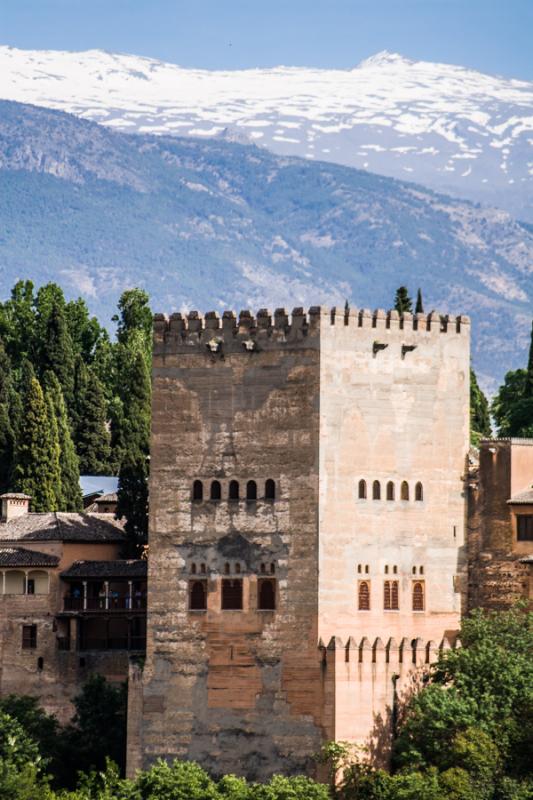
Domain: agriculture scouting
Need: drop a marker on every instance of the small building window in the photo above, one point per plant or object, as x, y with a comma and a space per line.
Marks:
390, 596
363, 596
237, 568
414, 570
362, 490
418, 596
376, 490
405, 491
386, 569
40, 663
419, 492
198, 595
30, 586
266, 594
272, 568
367, 569
395, 569
202, 569
216, 490
226, 568
197, 491
251, 491
193, 569
270, 489
359, 568
421, 570
231, 594
524, 527
29, 637
390, 491
234, 490
263, 569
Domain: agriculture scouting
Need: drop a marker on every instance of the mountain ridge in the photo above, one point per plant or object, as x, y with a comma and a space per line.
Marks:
448, 127
211, 224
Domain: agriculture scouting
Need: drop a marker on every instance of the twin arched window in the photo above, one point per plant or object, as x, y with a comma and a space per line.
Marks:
418, 596
364, 596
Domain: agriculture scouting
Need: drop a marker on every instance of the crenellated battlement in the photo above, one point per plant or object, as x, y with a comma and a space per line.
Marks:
214, 330
409, 653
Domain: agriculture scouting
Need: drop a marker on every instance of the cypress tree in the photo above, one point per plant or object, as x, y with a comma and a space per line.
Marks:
133, 476
402, 301
55, 452
7, 438
91, 433
480, 427
419, 309
69, 498
56, 353
528, 389
34, 471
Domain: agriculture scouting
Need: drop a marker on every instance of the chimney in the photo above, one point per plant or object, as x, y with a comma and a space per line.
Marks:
14, 505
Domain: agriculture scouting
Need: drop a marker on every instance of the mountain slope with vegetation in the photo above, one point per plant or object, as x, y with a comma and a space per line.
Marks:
215, 224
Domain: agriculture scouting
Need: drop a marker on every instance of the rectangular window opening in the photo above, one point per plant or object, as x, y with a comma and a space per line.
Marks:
524, 527
29, 637
231, 594
266, 594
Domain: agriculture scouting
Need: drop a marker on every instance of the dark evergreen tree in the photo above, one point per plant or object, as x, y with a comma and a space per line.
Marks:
419, 309
34, 471
17, 323
91, 433
55, 452
528, 389
56, 353
7, 437
480, 427
133, 475
69, 497
402, 301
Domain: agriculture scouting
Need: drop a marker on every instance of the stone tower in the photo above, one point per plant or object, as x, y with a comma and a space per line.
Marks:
307, 487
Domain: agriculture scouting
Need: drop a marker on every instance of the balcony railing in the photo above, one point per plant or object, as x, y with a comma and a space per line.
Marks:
137, 643
104, 604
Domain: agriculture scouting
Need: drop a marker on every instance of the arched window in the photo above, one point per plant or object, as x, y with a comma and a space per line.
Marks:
237, 568
419, 492
193, 569
202, 569
198, 595
272, 568
197, 491
414, 570
263, 569
234, 490
270, 489
418, 596
390, 596
266, 600
226, 568
421, 570
376, 490
359, 568
216, 491
405, 490
390, 491
367, 569
362, 490
231, 594
251, 491
364, 596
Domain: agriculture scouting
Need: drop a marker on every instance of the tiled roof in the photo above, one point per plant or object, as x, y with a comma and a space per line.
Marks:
15, 496
62, 526
112, 497
135, 568
524, 497
20, 557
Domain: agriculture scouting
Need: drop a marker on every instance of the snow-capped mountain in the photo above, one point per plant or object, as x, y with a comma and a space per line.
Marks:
448, 127
209, 223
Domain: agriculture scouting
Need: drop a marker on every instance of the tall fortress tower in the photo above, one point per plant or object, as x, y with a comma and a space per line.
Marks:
307, 524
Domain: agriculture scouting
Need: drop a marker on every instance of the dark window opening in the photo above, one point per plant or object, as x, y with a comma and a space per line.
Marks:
231, 594
359, 568
364, 596
40, 663
237, 568
376, 490
197, 491
226, 568
82, 663
418, 596
390, 596
29, 637
272, 569
263, 569
419, 492
405, 490
202, 569
390, 491
234, 490
524, 527
198, 595
251, 491
266, 600
193, 569
270, 490
216, 490
30, 589
362, 490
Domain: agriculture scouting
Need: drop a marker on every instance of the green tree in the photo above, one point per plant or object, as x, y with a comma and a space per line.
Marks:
17, 322
20, 763
134, 322
7, 436
55, 452
56, 352
135, 442
402, 301
528, 388
419, 304
512, 407
69, 497
479, 412
91, 433
34, 471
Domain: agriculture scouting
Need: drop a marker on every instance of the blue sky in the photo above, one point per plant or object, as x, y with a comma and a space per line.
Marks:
489, 35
